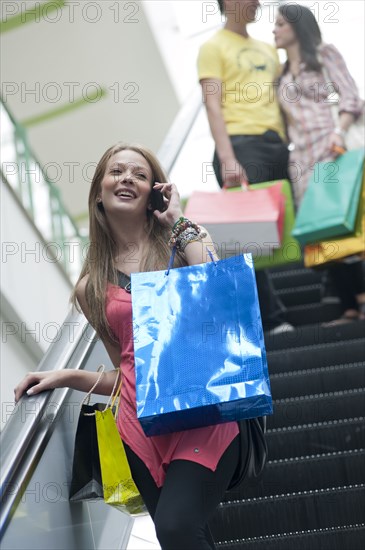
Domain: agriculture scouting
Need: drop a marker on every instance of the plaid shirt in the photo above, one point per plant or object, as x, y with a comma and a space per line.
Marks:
310, 116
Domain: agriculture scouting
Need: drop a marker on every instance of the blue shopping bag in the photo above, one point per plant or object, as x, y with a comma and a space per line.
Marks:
199, 349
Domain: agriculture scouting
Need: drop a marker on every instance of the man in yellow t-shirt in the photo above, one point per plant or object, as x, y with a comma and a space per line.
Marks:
237, 74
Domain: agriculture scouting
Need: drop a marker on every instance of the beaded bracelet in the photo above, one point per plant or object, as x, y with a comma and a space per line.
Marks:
180, 226
180, 220
189, 235
190, 238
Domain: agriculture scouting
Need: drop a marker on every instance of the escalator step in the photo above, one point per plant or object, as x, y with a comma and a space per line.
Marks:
322, 380
313, 313
294, 277
317, 408
312, 492
309, 335
292, 266
277, 514
305, 473
337, 435
316, 356
300, 295
343, 537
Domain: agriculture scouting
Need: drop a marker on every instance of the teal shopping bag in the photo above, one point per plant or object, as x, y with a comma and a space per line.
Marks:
330, 204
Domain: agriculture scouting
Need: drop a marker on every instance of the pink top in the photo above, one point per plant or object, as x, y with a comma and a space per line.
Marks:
202, 445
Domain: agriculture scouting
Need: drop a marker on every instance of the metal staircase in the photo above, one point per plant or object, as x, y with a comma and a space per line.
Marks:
312, 493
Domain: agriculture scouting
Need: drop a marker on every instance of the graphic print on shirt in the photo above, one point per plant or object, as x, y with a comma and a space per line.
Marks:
254, 60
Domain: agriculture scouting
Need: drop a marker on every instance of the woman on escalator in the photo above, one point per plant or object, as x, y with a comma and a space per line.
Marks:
312, 70
181, 476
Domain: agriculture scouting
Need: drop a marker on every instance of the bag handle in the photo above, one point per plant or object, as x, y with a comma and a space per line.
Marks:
112, 398
171, 261
172, 258
86, 400
244, 186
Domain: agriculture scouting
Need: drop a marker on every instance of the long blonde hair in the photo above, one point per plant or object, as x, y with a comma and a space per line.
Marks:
99, 263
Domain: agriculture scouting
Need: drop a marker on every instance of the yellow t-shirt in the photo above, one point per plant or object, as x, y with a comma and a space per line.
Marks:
247, 69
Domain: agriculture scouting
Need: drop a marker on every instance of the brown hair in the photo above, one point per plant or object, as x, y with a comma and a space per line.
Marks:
221, 5
307, 32
99, 262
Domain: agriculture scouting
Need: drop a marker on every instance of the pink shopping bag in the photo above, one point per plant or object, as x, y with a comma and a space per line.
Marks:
249, 219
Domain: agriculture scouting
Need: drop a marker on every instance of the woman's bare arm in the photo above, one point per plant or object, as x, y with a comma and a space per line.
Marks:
36, 382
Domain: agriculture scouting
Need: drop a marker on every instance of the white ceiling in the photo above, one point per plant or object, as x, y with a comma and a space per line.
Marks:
117, 52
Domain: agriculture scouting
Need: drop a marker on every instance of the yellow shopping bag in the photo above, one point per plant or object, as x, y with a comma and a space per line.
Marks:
118, 486
329, 251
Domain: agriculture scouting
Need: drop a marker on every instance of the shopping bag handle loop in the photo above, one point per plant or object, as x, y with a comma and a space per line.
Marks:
86, 400
172, 258
171, 262
113, 396
211, 257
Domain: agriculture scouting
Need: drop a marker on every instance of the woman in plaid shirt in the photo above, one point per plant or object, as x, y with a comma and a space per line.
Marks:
313, 71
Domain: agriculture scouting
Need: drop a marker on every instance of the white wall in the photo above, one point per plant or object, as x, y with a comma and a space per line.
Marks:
34, 295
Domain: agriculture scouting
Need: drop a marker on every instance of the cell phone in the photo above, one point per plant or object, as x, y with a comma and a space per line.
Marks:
157, 202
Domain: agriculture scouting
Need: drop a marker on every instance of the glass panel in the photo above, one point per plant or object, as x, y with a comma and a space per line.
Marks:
39, 197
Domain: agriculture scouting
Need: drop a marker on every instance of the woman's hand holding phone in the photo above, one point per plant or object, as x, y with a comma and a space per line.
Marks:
171, 200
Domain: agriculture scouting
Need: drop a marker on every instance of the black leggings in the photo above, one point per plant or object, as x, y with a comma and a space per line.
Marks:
182, 508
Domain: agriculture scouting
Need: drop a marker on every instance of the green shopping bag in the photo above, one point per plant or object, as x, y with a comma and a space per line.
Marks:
330, 203
289, 250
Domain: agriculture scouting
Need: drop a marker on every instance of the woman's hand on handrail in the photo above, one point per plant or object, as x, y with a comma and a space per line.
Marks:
36, 382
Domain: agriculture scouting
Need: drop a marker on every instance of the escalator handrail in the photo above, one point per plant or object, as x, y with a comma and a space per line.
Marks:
180, 129
27, 428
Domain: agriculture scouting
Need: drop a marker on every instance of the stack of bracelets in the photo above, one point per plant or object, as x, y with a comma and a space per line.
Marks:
185, 232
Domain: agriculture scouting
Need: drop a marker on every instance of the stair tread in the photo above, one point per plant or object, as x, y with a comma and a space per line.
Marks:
313, 347
312, 490
288, 268
313, 334
293, 274
316, 370
306, 314
321, 437
294, 290
318, 379
338, 393
304, 473
282, 513
316, 425
294, 495
317, 407
317, 355
300, 295
267, 539
316, 457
